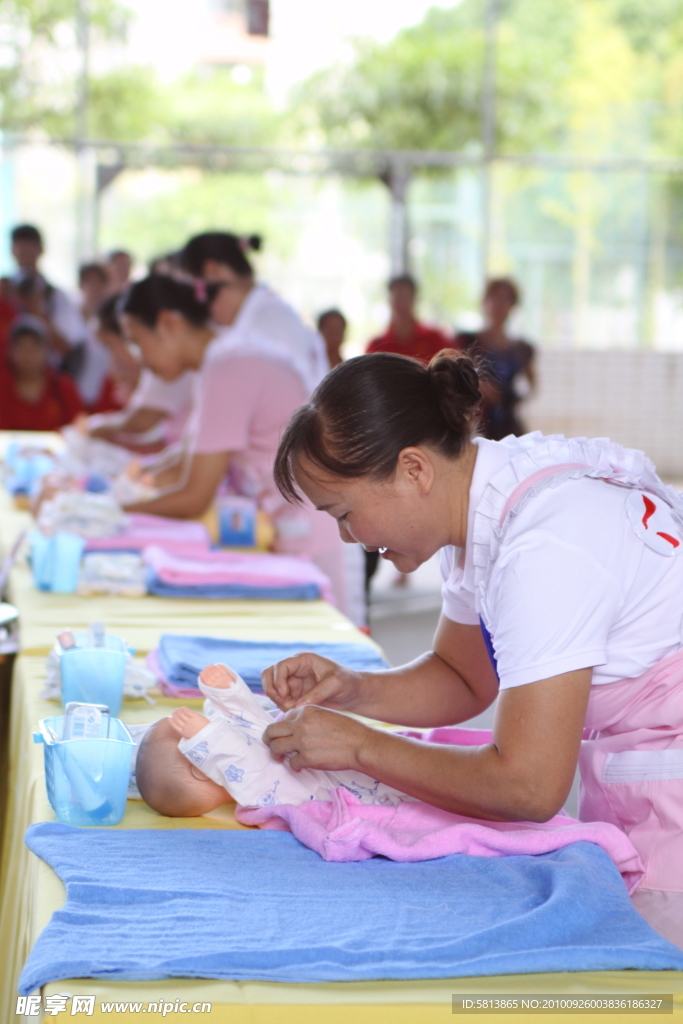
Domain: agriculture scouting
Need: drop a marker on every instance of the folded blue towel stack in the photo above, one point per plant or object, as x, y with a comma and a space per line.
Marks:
234, 591
148, 904
183, 657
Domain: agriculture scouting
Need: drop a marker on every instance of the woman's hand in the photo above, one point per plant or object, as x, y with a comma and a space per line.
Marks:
310, 679
312, 737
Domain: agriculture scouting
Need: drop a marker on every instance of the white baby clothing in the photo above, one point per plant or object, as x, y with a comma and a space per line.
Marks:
231, 752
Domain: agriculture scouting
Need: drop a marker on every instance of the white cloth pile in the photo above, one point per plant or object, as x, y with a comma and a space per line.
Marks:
88, 515
119, 573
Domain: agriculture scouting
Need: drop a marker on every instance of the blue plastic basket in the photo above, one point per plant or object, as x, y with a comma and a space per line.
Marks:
94, 675
86, 779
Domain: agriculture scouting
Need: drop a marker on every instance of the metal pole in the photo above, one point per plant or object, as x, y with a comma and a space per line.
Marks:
83, 213
398, 179
488, 125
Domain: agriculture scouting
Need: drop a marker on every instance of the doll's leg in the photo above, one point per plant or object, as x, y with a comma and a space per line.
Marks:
187, 722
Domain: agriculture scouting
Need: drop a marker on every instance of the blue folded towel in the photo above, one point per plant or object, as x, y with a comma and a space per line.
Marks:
234, 591
183, 657
148, 904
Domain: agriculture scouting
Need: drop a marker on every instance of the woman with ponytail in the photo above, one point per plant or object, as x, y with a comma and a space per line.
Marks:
252, 312
242, 402
561, 600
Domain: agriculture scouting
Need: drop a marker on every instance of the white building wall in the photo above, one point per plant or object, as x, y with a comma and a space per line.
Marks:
634, 398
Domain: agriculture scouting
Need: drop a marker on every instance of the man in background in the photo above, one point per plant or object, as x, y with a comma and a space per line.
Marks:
406, 336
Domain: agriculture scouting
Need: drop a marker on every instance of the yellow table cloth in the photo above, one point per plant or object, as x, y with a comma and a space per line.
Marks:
32, 892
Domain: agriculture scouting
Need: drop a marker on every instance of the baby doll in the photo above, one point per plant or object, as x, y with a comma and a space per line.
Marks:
191, 763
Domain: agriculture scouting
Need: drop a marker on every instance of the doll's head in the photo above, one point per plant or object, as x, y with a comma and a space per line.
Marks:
168, 782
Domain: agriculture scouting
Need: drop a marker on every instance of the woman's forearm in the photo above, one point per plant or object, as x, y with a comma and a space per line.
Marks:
182, 503
473, 781
426, 693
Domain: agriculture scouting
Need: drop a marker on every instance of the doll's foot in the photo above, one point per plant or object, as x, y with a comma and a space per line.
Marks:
188, 723
219, 677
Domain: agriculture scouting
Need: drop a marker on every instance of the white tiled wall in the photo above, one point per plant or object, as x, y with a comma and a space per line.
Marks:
635, 398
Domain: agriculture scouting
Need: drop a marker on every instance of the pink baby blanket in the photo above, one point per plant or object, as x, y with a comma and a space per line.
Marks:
143, 530
344, 829
195, 568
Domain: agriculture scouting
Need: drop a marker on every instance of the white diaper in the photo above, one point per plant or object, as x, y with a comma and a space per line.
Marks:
231, 752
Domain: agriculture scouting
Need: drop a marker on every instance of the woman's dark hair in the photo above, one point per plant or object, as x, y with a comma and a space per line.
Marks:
148, 297
322, 317
504, 284
87, 269
222, 247
367, 410
108, 314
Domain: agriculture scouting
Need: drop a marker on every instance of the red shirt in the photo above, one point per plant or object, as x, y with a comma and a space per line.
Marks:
59, 404
423, 344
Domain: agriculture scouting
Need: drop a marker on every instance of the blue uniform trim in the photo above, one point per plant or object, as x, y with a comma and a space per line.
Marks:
488, 640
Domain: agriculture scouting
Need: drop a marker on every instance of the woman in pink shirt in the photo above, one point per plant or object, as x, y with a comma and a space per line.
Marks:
243, 400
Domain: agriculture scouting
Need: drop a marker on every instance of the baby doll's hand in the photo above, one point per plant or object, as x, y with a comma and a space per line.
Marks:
188, 723
220, 677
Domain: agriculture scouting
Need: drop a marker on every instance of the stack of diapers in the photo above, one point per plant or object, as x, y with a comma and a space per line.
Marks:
260, 906
178, 660
231, 574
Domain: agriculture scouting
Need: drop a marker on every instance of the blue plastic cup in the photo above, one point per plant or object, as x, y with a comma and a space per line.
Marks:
87, 779
68, 550
94, 675
42, 559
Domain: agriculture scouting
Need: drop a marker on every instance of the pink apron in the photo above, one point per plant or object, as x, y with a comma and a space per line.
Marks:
631, 766
631, 759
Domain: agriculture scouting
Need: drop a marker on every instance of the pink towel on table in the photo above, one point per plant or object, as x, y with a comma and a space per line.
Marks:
143, 530
213, 568
344, 829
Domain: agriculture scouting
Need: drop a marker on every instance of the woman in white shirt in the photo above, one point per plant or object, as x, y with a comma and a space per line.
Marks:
563, 597
252, 312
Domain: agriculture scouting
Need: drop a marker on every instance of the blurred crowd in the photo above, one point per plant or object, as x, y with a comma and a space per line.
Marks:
202, 363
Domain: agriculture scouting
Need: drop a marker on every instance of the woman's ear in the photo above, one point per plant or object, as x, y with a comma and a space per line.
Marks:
415, 468
168, 323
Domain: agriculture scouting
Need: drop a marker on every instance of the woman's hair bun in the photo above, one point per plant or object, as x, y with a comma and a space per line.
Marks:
455, 380
253, 242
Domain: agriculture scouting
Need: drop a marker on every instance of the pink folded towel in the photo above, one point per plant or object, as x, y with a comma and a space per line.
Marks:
214, 568
344, 829
143, 530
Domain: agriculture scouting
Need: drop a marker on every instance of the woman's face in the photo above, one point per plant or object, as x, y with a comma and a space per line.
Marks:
399, 516
163, 347
232, 293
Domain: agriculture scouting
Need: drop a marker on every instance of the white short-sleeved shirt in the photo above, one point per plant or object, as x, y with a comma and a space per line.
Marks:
573, 583
266, 320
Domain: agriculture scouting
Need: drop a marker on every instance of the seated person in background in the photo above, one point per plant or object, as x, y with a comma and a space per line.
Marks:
189, 764
33, 396
65, 328
119, 267
93, 283
509, 362
122, 379
332, 327
405, 335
